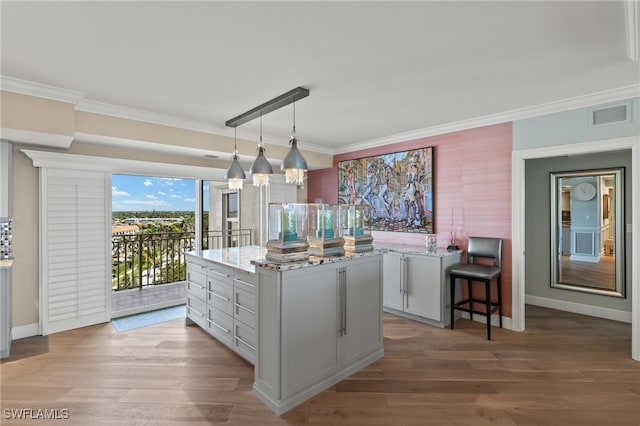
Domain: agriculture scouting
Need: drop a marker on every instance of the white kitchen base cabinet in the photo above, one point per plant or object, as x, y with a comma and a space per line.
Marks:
221, 296
317, 325
416, 285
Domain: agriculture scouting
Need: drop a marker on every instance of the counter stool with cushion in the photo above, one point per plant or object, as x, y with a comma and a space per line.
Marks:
479, 247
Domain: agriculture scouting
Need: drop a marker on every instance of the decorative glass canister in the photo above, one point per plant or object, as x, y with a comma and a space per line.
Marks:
355, 227
287, 232
324, 230
431, 242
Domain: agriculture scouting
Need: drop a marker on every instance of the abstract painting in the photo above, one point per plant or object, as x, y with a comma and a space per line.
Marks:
397, 186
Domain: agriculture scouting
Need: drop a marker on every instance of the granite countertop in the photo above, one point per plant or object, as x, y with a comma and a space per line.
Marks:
248, 257
236, 257
312, 261
6, 263
414, 249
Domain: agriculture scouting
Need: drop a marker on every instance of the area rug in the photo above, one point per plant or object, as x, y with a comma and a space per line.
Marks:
148, 318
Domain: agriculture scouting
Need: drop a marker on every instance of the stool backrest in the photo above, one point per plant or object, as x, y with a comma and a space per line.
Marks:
486, 247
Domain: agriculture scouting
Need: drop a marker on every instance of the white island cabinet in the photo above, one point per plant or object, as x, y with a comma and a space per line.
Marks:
221, 296
317, 324
416, 284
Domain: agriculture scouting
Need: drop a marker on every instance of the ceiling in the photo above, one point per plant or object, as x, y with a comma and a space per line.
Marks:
374, 69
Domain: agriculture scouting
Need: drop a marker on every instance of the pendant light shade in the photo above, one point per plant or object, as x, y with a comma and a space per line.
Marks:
294, 164
261, 169
235, 175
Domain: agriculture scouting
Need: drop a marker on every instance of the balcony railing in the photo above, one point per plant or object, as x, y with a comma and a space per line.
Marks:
142, 260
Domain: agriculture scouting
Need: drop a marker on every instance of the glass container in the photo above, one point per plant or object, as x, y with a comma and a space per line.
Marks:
287, 222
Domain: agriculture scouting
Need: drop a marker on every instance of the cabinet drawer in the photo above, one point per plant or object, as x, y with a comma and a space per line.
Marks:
220, 296
220, 325
196, 289
244, 341
244, 306
220, 272
196, 274
196, 310
245, 280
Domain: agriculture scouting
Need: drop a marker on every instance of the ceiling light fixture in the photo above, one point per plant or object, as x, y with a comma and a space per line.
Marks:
235, 175
294, 164
261, 169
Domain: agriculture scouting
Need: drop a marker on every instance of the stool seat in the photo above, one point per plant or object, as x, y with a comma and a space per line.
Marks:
479, 247
475, 271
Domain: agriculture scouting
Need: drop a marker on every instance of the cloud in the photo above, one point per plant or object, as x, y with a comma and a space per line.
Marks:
189, 200
174, 196
148, 182
161, 193
115, 192
152, 197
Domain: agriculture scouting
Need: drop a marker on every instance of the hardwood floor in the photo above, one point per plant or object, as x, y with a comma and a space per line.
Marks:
566, 369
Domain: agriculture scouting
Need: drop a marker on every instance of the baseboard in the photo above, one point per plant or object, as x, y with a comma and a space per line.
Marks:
23, 331
579, 308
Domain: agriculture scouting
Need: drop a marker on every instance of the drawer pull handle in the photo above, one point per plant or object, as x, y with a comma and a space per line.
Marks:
201, 287
219, 273
245, 343
246, 283
199, 313
220, 327
226, 299
246, 309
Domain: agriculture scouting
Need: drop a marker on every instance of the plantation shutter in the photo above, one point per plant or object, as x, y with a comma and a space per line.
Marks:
74, 249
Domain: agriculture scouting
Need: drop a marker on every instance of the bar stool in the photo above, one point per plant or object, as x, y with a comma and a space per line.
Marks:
479, 247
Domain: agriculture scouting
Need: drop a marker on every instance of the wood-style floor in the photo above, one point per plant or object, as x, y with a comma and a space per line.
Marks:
566, 369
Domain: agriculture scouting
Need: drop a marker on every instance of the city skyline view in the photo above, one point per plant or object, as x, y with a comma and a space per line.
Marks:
148, 193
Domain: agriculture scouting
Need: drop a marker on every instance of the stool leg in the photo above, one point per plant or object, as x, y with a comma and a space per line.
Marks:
488, 302
469, 288
500, 300
453, 297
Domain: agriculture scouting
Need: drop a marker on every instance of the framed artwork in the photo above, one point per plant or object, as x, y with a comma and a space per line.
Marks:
397, 186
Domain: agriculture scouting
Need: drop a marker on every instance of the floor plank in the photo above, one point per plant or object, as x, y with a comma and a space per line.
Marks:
565, 369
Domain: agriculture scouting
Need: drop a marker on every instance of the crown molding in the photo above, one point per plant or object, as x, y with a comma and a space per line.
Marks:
119, 111
593, 99
40, 90
120, 165
28, 137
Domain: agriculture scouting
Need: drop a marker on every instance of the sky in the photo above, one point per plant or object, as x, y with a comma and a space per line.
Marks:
146, 193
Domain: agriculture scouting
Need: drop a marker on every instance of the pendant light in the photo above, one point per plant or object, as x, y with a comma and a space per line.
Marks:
261, 169
235, 175
294, 164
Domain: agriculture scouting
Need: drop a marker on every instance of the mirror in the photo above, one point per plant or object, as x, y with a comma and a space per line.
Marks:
587, 238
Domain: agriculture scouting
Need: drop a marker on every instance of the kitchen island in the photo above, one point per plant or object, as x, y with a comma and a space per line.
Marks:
304, 325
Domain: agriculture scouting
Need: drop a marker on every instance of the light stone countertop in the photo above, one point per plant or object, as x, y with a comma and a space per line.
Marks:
248, 257
312, 261
235, 257
414, 249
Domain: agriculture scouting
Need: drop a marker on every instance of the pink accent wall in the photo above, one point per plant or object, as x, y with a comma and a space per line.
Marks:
472, 189
322, 185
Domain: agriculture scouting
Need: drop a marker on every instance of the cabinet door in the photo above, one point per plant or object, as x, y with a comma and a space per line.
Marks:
362, 334
423, 286
309, 327
392, 281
